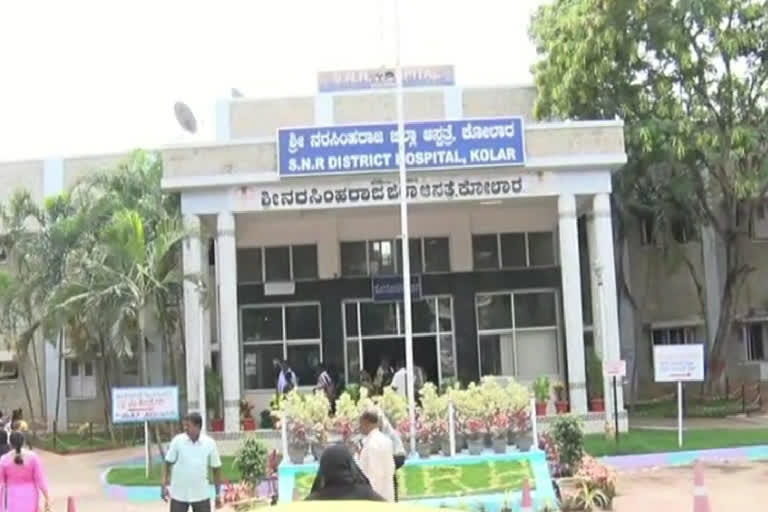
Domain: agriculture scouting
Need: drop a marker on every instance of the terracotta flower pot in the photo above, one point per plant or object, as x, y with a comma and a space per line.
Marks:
217, 425
249, 424
541, 408
597, 404
562, 406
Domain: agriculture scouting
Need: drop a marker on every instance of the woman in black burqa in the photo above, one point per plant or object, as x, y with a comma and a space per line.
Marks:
339, 478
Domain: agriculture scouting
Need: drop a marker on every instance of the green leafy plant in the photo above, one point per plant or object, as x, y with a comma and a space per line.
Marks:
569, 438
594, 374
251, 460
588, 499
541, 388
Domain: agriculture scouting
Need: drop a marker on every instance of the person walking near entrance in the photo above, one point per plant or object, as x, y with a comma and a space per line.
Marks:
185, 476
400, 380
325, 384
383, 376
377, 459
22, 478
286, 378
398, 449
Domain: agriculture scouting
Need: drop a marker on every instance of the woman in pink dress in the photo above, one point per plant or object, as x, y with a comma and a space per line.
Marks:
22, 478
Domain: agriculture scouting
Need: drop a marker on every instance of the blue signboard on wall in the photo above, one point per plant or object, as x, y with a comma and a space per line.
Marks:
390, 288
429, 145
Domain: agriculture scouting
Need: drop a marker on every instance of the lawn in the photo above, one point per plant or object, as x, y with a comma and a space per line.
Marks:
639, 441
71, 442
694, 408
134, 475
419, 481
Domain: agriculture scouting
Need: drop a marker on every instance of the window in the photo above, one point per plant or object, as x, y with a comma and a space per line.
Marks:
513, 250
755, 333
9, 371
385, 257
381, 255
759, 228
281, 263
518, 334
3, 256
437, 255
81, 382
354, 259
485, 252
674, 336
277, 264
513, 253
285, 331
304, 262
249, 266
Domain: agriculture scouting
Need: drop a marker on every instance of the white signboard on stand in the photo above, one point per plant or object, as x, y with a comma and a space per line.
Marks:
679, 363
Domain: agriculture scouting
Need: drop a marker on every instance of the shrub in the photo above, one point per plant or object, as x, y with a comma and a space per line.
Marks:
567, 433
597, 476
251, 460
594, 374
548, 445
541, 388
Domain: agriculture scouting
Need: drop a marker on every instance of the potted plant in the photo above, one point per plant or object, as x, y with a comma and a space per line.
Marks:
499, 429
523, 432
213, 394
475, 430
595, 382
319, 439
423, 439
251, 460
298, 441
541, 389
246, 416
561, 401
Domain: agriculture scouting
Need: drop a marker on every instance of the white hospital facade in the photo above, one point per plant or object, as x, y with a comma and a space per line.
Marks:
301, 252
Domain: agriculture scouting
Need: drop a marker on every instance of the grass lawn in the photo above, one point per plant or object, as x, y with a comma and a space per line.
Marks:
695, 408
70, 442
639, 441
134, 475
445, 481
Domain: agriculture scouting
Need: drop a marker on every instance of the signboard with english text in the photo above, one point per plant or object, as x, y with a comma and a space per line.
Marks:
373, 148
384, 78
139, 405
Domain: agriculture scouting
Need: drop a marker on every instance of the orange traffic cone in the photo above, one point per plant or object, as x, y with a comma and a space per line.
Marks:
526, 504
71, 504
700, 495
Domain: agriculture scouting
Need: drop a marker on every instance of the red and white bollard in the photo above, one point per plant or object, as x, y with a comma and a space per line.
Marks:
526, 504
700, 495
71, 504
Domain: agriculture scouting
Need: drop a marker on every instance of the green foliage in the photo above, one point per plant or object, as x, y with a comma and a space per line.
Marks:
689, 80
594, 374
251, 460
569, 438
541, 388
213, 393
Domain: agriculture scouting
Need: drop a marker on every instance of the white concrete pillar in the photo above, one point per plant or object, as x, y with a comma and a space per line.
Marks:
594, 288
192, 265
572, 314
602, 236
226, 262
208, 309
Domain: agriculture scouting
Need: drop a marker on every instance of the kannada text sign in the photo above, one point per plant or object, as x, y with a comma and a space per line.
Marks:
430, 145
137, 405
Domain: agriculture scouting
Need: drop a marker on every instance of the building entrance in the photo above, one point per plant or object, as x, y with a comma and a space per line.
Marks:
375, 330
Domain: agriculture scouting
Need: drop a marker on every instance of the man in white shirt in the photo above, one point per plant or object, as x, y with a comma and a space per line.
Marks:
376, 458
190, 456
400, 380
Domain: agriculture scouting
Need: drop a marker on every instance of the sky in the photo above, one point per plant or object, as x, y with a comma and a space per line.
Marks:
90, 76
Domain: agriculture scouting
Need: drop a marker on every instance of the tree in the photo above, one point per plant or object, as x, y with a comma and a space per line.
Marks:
689, 79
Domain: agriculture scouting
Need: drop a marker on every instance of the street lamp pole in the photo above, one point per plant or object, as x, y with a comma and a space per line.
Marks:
404, 232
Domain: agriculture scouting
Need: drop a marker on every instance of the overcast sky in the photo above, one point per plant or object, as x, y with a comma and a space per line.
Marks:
85, 76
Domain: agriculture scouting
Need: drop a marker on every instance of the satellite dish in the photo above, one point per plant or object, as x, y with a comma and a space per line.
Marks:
185, 117
237, 94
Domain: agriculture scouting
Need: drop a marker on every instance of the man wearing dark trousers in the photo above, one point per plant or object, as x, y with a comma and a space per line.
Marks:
185, 477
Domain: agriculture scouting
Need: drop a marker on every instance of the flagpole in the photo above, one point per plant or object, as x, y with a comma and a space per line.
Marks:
404, 233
